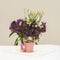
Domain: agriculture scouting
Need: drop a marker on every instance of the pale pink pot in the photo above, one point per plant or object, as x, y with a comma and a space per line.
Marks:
27, 47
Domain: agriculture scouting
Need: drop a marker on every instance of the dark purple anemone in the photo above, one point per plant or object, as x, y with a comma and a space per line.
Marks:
44, 27
26, 29
13, 26
33, 24
36, 31
26, 33
19, 21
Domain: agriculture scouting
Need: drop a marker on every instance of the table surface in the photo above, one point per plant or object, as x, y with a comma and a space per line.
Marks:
41, 52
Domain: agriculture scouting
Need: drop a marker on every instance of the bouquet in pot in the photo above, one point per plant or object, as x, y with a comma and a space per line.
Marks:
29, 28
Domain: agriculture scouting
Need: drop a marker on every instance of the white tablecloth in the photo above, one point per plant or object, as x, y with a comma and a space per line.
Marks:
41, 52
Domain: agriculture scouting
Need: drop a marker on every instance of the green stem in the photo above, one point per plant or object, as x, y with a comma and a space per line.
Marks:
21, 39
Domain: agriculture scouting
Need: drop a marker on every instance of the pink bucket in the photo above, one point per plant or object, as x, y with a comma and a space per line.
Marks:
27, 47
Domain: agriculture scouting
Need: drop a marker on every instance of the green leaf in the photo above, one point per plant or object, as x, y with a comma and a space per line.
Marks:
11, 33
16, 42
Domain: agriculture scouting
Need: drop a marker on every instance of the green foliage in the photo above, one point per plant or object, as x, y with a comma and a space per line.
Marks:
34, 16
12, 33
16, 42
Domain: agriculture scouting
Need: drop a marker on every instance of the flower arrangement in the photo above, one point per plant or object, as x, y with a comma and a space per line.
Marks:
29, 28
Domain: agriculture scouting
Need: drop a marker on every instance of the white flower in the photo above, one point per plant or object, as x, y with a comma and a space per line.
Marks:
29, 38
20, 23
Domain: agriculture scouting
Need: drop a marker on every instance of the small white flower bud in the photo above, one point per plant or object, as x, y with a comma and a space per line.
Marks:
41, 26
20, 23
29, 38
35, 25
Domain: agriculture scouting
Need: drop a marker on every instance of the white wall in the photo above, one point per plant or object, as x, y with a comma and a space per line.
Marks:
13, 9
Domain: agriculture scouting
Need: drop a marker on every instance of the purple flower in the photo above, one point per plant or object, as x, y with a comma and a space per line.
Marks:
43, 29
36, 31
24, 24
19, 22
13, 26
33, 24
26, 33
18, 29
